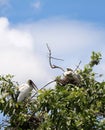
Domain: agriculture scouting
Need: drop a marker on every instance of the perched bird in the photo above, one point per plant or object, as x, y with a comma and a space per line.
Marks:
68, 72
25, 89
70, 77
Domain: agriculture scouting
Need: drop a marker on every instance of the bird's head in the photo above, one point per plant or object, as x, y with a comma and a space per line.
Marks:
68, 72
32, 84
69, 69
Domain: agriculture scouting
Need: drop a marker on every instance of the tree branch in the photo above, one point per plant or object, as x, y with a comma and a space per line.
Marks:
43, 87
50, 58
77, 66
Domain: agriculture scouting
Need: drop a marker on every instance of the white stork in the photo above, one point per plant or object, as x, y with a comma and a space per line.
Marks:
25, 89
68, 72
73, 75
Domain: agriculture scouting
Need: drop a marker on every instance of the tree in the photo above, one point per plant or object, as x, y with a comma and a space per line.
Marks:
71, 105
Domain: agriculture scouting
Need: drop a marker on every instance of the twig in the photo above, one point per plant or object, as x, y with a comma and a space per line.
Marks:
77, 66
48, 84
57, 58
44, 87
50, 57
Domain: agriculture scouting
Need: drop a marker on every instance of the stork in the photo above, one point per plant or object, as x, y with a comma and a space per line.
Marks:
25, 89
68, 72
71, 76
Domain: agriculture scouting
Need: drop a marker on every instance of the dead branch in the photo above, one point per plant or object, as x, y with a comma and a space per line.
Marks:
48, 84
77, 66
43, 88
57, 58
50, 60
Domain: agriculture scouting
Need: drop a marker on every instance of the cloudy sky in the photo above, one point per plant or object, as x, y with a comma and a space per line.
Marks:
72, 28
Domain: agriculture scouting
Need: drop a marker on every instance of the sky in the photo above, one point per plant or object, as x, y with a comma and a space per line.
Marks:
72, 29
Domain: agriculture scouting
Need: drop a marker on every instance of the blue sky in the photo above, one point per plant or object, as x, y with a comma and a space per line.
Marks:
72, 28
19, 11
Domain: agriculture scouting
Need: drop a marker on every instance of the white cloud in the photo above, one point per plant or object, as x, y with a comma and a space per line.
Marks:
68, 37
17, 54
71, 40
37, 4
23, 49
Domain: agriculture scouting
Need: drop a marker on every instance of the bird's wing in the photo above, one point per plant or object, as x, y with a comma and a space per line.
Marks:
23, 87
24, 90
67, 73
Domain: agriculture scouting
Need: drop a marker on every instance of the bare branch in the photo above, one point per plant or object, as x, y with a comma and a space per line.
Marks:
48, 84
43, 88
77, 66
57, 58
50, 62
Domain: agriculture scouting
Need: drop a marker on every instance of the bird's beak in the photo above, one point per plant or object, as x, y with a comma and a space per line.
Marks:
34, 86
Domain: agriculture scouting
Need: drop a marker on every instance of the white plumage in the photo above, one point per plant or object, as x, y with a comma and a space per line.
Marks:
25, 89
72, 75
68, 72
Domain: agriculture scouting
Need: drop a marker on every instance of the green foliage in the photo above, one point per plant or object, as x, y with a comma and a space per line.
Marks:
66, 107
17, 113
